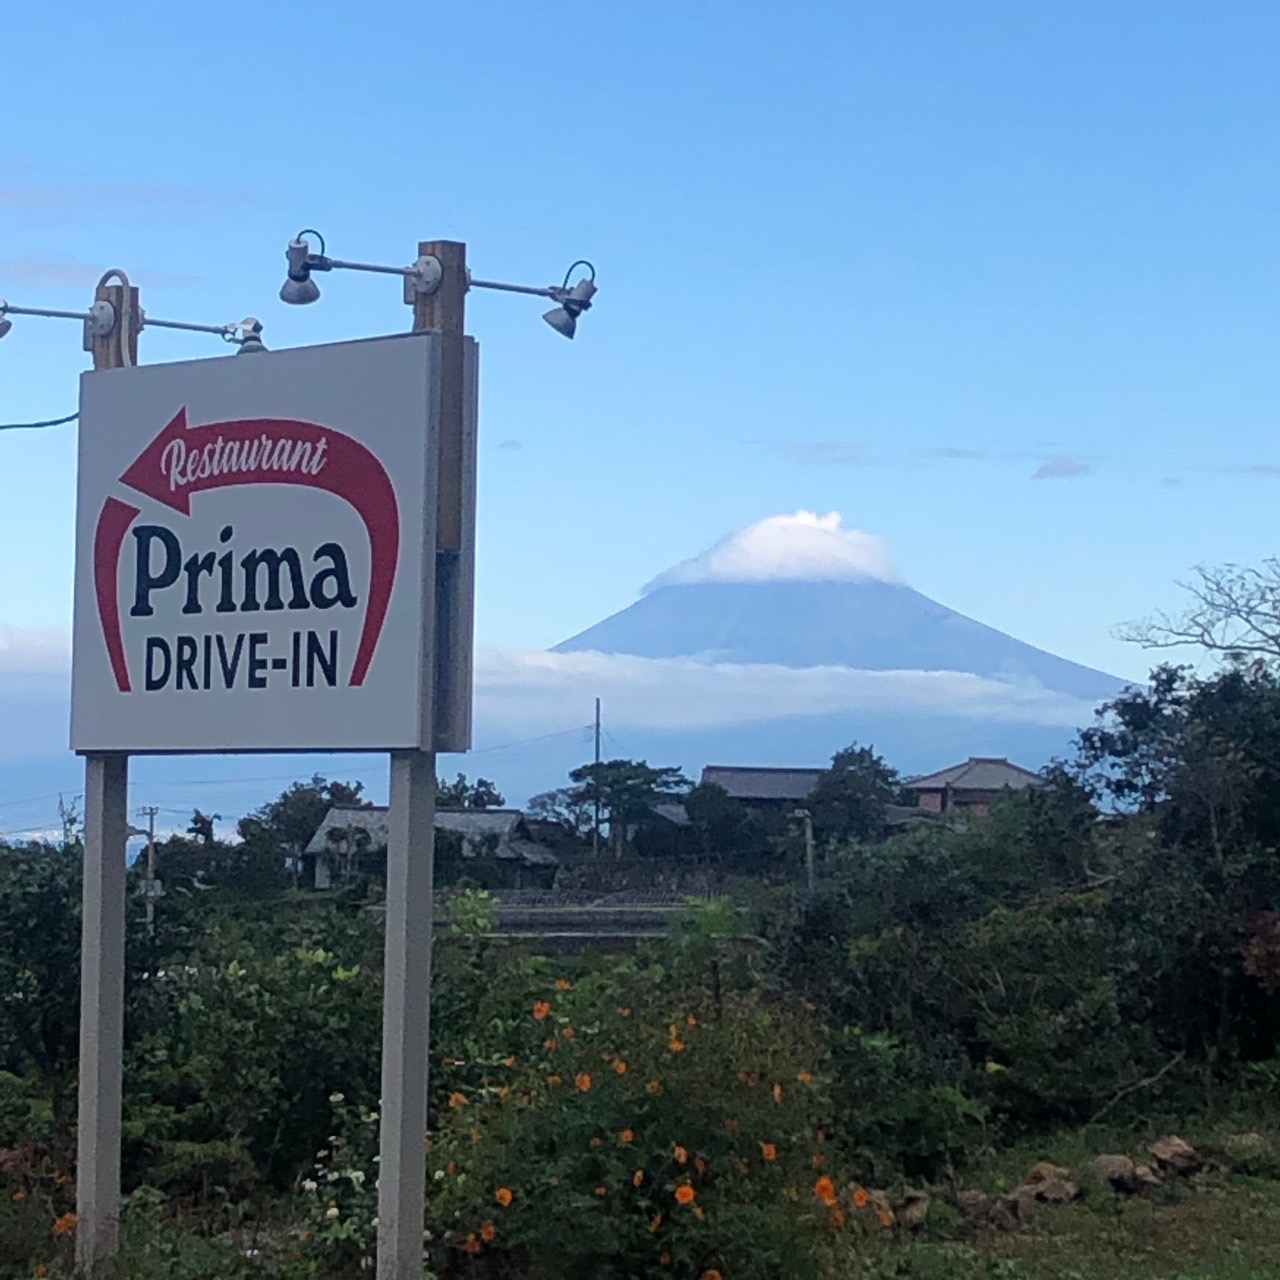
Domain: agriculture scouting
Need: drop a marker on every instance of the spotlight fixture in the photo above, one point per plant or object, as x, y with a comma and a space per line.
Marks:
299, 288
424, 277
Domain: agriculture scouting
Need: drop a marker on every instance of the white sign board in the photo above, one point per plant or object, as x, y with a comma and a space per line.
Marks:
255, 543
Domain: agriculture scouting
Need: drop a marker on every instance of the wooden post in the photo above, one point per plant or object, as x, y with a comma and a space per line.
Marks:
406, 1015
106, 828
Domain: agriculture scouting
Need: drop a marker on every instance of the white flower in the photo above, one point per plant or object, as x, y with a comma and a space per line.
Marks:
309, 1186
331, 1212
439, 1175
337, 1097
357, 1177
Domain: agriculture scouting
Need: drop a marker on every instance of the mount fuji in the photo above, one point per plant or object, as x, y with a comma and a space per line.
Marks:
782, 643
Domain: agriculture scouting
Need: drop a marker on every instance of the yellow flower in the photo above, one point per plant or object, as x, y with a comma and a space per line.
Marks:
583, 1081
685, 1194
504, 1197
541, 1009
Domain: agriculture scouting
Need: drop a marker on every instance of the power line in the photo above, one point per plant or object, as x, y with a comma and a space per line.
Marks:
32, 426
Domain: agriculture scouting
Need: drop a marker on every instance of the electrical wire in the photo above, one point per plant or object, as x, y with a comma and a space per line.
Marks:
32, 426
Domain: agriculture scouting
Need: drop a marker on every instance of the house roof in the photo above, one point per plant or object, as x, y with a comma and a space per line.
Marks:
745, 782
978, 773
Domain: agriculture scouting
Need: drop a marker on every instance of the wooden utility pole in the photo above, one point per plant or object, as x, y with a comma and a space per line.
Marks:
106, 828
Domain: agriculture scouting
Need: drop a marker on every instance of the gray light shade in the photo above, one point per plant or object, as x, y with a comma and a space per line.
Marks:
562, 321
299, 292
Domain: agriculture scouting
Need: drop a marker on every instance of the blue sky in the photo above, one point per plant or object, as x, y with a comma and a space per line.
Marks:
887, 259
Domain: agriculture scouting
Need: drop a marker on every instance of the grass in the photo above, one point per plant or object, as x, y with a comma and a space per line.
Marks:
1224, 1227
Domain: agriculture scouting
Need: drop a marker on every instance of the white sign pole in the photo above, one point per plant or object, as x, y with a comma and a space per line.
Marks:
106, 831
406, 1016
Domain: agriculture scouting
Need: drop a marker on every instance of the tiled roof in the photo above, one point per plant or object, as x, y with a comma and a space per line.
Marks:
980, 773
744, 782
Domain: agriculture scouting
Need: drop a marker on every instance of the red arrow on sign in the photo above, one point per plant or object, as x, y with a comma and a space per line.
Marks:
183, 460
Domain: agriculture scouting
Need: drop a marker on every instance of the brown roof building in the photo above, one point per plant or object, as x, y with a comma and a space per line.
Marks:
970, 787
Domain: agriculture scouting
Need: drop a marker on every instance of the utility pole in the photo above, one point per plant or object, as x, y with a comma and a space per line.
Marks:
149, 812
809, 871
595, 829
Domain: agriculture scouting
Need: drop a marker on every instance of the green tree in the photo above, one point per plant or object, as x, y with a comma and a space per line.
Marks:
849, 799
461, 794
626, 791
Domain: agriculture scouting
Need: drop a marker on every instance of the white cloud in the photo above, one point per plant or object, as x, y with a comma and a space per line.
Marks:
800, 546
34, 650
533, 691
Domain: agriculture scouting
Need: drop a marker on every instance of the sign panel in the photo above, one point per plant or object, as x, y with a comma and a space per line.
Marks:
255, 548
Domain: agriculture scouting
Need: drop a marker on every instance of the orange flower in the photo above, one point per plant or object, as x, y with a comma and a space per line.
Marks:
554, 1081
620, 1066
472, 1244
700, 1164
549, 1043
681, 1155
488, 1233
768, 1151
819, 1161
510, 1059
541, 1008
20, 1195
685, 1194
457, 1100
711, 1274
627, 1135
698, 1212
637, 1178
825, 1190
837, 1217
597, 1142
665, 1258
861, 1198
732, 1125
804, 1077
655, 1222
504, 1197
691, 1021
743, 1078
777, 1093
583, 1081
569, 1033
563, 984
451, 1168
602, 1192
65, 1225
623, 1011
676, 1045
653, 1087
886, 1217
